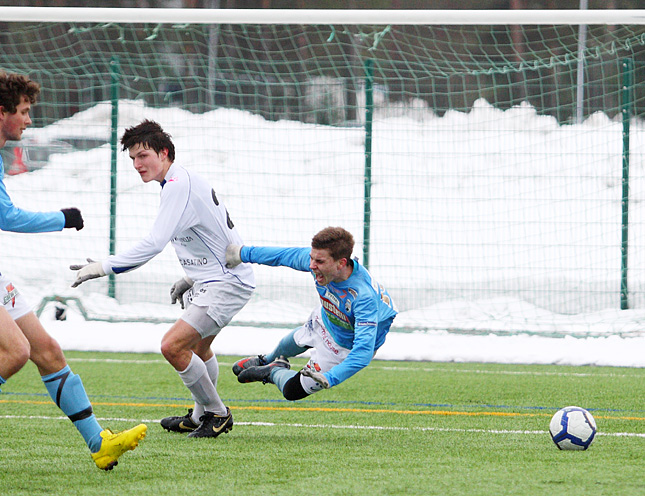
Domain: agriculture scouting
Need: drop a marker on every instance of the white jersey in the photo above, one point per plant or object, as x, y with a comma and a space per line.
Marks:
197, 224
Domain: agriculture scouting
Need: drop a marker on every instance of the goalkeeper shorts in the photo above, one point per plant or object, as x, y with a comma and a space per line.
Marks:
324, 352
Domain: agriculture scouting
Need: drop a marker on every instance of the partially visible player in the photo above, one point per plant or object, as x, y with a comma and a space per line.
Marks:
342, 334
193, 219
22, 336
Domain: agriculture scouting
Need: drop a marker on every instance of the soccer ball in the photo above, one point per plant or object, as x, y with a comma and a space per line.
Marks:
572, 428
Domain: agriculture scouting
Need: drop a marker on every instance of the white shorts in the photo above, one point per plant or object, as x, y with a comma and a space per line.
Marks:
12, 300
325, 353
211, 306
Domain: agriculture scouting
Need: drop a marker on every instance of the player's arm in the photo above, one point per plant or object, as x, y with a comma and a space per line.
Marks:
169, 222
15, 219
365, 332
358, 358
296, 258
363, 346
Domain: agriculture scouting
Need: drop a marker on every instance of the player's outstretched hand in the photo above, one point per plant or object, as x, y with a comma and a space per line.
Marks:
316, 376
178, 289
233, 256
73, 218
90, 270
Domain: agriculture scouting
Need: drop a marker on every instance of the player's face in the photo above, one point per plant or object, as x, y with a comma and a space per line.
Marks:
324, 267
13, 125
150, 165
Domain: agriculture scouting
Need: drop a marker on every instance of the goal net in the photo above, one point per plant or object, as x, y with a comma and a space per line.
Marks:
490, 165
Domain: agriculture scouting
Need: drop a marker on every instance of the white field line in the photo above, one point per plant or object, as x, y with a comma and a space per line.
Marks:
375, 365
331, 426
505, 372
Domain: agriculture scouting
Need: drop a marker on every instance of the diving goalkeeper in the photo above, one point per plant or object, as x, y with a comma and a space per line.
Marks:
342, 334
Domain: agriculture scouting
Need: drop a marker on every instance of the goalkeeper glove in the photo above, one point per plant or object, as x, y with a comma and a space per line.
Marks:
90, 270
233, 256
73, 218
316, 376
178, 289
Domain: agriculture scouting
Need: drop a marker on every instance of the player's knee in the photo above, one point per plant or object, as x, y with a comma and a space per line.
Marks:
24, 354
47, 353
167, 350
17, 359
171, 351
293, 389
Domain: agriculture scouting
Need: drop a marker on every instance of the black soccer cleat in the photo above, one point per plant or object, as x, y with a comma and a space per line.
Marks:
179, 424
245, 363
262, 373
213, 425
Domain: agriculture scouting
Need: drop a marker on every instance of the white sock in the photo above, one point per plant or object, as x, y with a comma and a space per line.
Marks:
195, 378
212, 368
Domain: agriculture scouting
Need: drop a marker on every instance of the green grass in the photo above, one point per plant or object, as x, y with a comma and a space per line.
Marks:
397, 428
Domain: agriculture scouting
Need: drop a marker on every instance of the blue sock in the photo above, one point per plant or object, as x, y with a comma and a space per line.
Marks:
280, 376
67, 391
287, 347
2, 381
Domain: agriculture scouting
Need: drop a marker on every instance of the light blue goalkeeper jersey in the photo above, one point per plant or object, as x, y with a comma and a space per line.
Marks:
15, 219
357, 312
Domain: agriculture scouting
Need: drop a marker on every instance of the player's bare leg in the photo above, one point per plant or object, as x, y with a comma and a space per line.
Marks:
14, 347
189, 422
67, 391
46, 353
179, 347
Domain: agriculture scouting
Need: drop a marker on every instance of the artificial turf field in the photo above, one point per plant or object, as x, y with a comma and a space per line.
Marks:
403, 428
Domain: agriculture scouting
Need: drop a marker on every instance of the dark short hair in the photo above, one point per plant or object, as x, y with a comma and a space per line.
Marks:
338, 241
15, 87
151, 136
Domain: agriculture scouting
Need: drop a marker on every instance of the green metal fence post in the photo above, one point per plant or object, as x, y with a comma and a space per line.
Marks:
367, 208
114, 73
626, 105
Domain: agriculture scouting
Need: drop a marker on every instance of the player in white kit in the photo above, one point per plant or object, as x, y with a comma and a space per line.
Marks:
192, 218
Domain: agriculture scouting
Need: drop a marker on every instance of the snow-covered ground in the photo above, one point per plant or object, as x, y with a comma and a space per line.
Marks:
77, 334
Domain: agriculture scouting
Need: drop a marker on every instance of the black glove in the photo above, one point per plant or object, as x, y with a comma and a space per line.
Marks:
73, 218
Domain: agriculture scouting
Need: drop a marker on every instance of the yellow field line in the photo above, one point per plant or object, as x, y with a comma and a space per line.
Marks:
332, 410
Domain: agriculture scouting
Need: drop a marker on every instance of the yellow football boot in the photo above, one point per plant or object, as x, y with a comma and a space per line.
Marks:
114, 445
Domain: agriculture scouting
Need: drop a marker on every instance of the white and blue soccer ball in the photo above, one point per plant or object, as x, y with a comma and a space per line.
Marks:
572, 428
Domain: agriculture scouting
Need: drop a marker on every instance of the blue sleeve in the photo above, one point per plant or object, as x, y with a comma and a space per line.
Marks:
296, 258
362, 352
15, 219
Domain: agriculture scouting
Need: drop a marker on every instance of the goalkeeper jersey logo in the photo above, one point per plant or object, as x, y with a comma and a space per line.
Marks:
335, 315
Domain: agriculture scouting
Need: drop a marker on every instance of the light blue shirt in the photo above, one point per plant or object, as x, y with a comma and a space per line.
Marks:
15, 219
